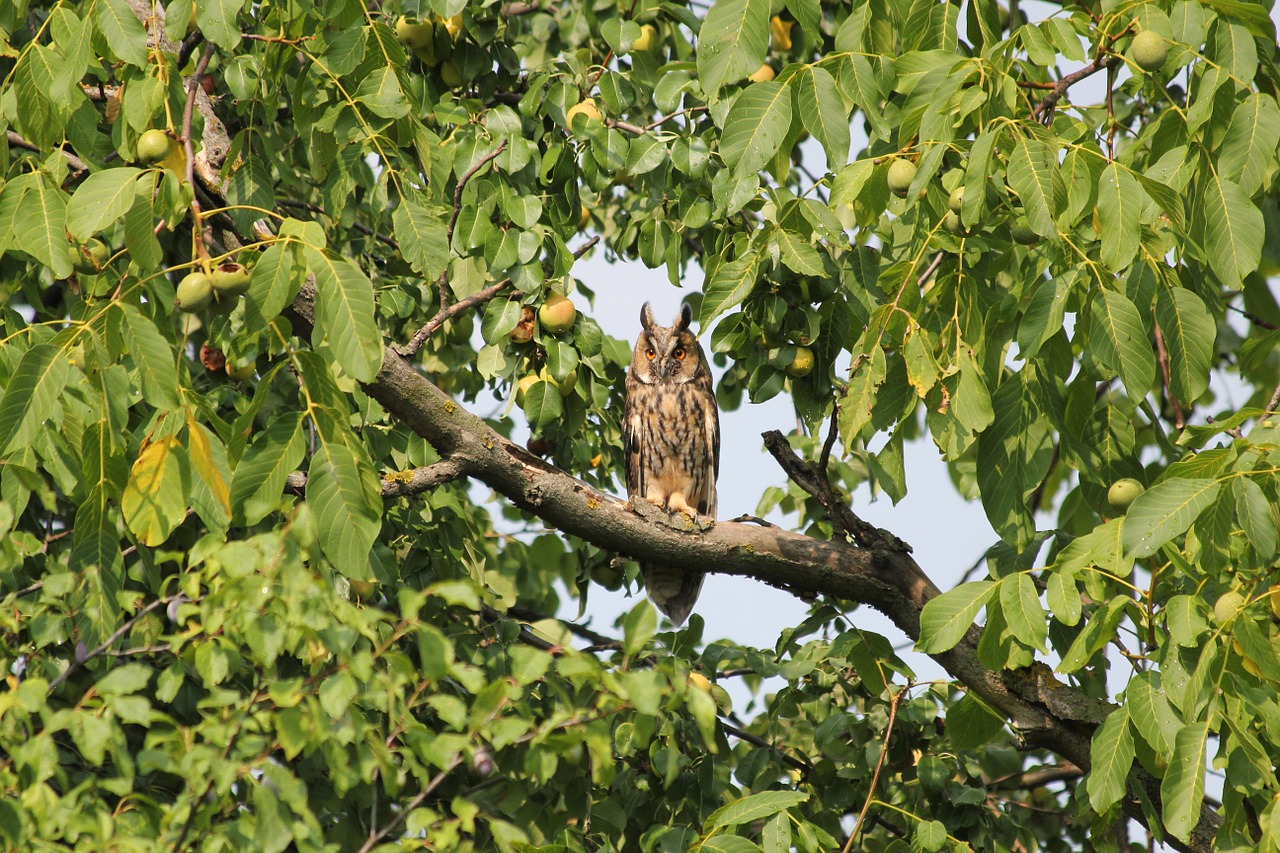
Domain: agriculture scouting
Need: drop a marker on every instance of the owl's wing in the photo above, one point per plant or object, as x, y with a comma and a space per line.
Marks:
633, 438
711, 423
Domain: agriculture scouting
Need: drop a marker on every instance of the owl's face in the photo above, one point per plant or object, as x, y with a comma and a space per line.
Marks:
667, 354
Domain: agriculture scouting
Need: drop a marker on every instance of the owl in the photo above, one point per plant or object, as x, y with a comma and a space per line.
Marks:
671, 434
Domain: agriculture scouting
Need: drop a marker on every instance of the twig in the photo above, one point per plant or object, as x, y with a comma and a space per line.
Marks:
753, 519
1043, 111
931, 269
448, 313
756, 740
827, 445
436, 782
1254, 318
401, 483
527, 615
72, 160
462, 185
193, 85
1036, 778
107, 643
875, 776
359, 226
188, 46
813, 481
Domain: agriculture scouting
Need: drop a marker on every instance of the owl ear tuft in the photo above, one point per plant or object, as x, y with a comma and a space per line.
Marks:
686, 317
646, 317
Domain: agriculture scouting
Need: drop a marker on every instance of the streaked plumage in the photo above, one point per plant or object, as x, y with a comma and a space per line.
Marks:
671, 434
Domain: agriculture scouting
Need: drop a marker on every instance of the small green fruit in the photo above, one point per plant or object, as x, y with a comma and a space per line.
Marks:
230, 280
194, 293
557, 314
450, 74
802, 364
523, 386
901, 173
956, 202
1227, 607
647, 41
953, 224
242, 372
153, 146
1149, 51
90, 258
1022, 233
1124, 492
413, 34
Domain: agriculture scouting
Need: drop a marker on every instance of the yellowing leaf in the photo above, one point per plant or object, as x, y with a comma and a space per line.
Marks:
154, 502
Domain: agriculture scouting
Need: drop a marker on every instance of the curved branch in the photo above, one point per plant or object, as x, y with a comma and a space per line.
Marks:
1043, 711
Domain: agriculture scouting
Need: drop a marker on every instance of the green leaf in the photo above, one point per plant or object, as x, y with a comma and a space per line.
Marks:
1014, 455
1099, 631
823, 112
856, 405
1164, 511
274, 282
101, 200
1032, 174
154, 358
31, 396
542, 405
1257, 516
731, 282
1189, 334
124, 679
1182, 790
638, 628
344, 495
1120, 203
258, 484
345, 314
776, 835
755, 127
1153, 717
40, 226
422, 237
1232, 229
1022, 611
380, 94
122, 31
732, 42
971, 724
1248, 150
1111, 754
752, 808
945, 619
217, 20
728, 844
798, 255
1120, 343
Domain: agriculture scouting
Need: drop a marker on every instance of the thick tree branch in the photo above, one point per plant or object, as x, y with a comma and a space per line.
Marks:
1043, 711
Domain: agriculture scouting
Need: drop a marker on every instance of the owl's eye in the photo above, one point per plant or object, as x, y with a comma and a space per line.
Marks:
649, 354
679, 352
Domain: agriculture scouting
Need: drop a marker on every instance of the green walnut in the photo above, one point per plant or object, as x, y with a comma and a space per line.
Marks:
901, 174
953, 224
1228, 605
1149, 51
1124, 492
1022, 233
90, 258
230, 280
194, 293
413, 34
956, 202
153, 146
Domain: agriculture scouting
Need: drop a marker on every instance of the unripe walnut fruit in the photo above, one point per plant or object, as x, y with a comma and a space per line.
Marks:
194, 293
901, 174
802, 364
1124, 492
153, 146
230, 280
1149, 51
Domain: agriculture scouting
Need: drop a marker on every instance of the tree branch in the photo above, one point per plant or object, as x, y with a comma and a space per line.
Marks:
1044, 712
1043, 111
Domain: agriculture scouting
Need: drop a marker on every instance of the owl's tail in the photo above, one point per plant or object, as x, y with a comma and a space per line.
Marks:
674, 591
